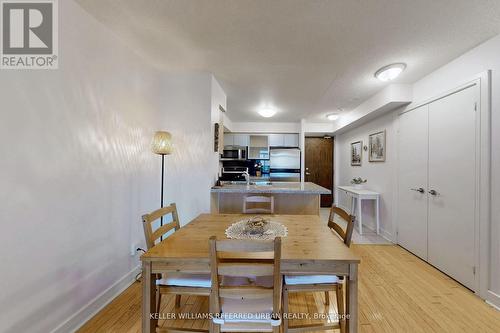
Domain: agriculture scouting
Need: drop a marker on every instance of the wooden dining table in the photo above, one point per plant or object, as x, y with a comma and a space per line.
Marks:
309, 248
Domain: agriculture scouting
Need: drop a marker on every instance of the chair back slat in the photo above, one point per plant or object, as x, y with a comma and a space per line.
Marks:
254, 209
163, 230
338, 229
241, 266
247, 293
257, 211
155, 215
244, 269
244, 245
148, 219
346, 234
258, 199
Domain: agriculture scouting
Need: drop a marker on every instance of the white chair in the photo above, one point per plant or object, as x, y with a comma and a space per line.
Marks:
173, 283
321, 283
246, 292
255, 205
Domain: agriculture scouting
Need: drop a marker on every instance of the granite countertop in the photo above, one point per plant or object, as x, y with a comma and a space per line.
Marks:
275, 187
260, 178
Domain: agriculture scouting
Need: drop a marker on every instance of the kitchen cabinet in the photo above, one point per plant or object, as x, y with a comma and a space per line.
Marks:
283, 140
258, 147
272, 140
236, 139
240, 140
276, 140
291, 140
228, 139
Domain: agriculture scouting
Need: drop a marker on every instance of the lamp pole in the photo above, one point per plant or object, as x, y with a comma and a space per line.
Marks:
162, 181
162, 145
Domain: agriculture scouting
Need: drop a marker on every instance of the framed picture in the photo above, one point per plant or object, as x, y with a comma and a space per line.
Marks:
376, 144
216, 137
356, 153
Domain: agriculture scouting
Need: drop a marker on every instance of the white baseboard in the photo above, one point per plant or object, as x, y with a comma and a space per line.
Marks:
493, 300
97, 304
387, 235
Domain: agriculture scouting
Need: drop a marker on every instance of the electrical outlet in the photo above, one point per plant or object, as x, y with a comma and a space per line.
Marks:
133, 249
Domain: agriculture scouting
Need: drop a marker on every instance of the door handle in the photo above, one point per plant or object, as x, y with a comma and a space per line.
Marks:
308, 173
420, 190
433, 192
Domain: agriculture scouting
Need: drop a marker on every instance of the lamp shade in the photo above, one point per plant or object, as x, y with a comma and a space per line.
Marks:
162, 143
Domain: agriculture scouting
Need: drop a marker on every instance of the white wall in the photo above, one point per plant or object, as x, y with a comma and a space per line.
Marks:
391, 97
188, 103
219, 98
479, 59
379, 174
264, 127
483, 57
77, 171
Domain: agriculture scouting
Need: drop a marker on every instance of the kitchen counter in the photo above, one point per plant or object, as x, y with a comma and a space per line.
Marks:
260, 178
275, 187
289, 198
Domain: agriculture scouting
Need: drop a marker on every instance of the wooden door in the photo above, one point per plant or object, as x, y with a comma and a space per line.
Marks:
452, 165
412, 184
319, 165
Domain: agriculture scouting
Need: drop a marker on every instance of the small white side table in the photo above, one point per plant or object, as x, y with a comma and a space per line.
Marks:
358, 195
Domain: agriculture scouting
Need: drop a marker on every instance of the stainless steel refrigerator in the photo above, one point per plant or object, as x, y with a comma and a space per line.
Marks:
284, 164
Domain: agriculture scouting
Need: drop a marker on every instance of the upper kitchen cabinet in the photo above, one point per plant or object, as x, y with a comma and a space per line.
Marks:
291, 140
283, 140
258, 147
276, 140
261, 140
236, 139
228, 139
241, 140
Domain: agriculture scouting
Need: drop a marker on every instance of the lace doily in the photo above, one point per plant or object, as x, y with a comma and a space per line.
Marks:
239, 230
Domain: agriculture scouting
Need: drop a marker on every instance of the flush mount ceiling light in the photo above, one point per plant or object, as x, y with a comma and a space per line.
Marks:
332, 116
267, 112
390, 72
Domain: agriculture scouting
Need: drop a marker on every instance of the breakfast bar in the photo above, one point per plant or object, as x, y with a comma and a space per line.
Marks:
292, 198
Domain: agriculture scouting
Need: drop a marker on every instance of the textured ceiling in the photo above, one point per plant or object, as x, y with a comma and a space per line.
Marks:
305, 58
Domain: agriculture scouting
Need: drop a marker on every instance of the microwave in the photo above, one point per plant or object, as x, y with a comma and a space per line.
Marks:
234, 153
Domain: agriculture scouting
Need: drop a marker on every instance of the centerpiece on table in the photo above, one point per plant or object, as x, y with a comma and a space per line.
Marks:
256, 227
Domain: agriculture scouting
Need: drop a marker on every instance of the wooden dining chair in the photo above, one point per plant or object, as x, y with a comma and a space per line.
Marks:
321, 283
172, 283
256, 202
246, 285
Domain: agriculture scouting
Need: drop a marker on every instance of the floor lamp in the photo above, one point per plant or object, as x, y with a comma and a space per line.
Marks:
162, 145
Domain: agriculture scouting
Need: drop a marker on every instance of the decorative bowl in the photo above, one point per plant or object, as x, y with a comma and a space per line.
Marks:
257, 225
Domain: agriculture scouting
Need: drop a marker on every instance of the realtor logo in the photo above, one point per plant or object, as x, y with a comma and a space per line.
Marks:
29, 34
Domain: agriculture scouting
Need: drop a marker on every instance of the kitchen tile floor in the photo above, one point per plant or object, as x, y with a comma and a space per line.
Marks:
369, 236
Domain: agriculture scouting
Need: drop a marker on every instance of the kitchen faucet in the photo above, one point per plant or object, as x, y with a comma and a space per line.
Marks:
247, 177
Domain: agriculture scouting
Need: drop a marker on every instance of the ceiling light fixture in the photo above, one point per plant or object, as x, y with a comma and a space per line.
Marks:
390, 72
332, 116
267, 112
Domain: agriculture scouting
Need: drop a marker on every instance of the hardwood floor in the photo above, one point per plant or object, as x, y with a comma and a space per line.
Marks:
397, 293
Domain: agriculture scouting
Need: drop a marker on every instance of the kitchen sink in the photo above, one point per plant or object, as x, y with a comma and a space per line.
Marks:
263, 183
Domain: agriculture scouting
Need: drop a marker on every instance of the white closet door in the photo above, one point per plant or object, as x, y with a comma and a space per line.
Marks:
452, 176
412, 205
